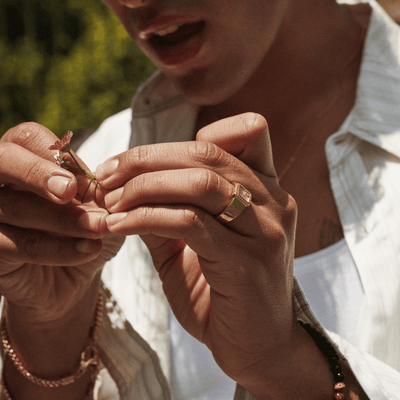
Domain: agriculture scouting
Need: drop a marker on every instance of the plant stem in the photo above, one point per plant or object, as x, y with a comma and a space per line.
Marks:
84, 194
88, 174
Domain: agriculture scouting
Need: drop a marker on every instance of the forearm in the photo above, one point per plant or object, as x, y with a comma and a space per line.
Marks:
50, 351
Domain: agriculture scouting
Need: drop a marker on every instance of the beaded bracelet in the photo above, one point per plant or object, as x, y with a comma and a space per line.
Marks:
333, 359
89, 358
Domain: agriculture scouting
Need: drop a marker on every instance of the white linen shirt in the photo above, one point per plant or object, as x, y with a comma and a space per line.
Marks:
364, 162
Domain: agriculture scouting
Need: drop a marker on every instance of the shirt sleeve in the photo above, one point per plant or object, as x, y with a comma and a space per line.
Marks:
132, 369
105, 388
378, 380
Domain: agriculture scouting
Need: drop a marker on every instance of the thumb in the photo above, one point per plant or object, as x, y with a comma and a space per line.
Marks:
245, 136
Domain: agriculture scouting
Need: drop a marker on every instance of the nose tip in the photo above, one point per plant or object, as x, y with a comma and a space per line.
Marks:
132, 3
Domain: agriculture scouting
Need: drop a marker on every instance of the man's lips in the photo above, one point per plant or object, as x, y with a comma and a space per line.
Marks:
174, 40
176, 34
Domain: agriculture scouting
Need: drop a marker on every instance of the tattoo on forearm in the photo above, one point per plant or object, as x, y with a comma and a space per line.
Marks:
331, 233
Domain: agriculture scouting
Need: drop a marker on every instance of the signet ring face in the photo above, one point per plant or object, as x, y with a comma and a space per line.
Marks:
241, 200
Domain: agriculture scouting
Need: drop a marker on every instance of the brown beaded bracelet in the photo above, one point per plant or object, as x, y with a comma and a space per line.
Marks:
333, 359
89, 358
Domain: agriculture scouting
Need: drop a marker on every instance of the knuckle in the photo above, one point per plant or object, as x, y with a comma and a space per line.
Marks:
10, 206
281, 225
31, 246
193, 217
207, 153
64, 219
3, 150
138, 186
246, 121
208, 182
253, 120
38, 247
292, 205
23, 133
145, 215
279, 239
7, 150
35, 172
290, 208
286, 224
137, 156
286, 205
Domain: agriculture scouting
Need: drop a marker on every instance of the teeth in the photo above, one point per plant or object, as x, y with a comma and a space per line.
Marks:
147, 35
170, 29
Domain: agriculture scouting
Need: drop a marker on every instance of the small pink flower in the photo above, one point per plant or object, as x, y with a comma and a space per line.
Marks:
64, 144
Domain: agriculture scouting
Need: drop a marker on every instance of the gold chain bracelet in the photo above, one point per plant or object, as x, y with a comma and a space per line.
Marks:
89, 358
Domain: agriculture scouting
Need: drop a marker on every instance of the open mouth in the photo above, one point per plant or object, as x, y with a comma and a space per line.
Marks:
174, 43
176, 34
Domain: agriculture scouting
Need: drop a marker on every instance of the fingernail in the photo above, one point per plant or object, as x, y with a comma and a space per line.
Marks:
105, 170
90, 221
112, 198
57, 185
84, 246
114, 219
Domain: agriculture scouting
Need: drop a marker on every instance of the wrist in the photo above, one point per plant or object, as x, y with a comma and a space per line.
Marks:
54, 360
51, 344
298, 369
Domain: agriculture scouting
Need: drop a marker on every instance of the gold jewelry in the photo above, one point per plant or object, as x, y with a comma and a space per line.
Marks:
241, 200
89, 358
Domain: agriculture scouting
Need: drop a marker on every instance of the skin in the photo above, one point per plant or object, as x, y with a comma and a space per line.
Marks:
207, 269
227, 61
272, 77
261, 78
392, 7
39, 234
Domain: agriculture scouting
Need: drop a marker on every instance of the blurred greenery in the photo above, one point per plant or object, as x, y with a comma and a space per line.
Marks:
65, 64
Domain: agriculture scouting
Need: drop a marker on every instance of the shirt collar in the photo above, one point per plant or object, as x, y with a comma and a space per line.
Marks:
375, 116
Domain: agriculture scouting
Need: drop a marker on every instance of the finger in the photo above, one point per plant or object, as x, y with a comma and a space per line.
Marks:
37, 139
19, 246
176, 222
245, 136
34, 137
210, 241
35, 174
224, 255
27, 210
197, 186
161, 215
116, 171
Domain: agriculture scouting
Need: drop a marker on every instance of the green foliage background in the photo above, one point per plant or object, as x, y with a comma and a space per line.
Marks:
65, 64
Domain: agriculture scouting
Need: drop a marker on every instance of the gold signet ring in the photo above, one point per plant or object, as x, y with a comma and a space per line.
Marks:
241, 200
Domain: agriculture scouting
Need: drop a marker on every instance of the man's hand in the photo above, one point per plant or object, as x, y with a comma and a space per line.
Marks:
229, 286
49, 242
52, 250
